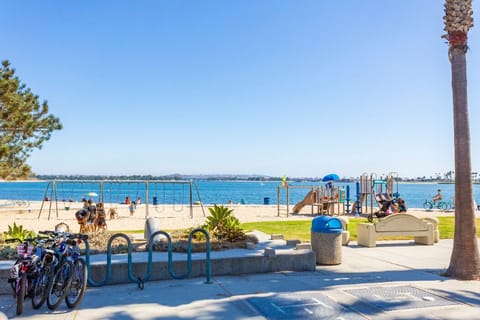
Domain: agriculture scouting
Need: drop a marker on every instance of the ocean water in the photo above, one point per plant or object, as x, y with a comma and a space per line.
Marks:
209, 192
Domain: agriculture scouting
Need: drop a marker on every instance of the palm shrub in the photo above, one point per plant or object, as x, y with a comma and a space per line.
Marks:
17, 231
223, 224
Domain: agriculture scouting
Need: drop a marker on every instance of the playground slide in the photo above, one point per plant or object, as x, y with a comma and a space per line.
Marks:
354, 205
309, 199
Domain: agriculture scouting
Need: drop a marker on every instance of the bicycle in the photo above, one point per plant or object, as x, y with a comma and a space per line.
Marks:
77, 288
48, 261
70, 278
23, 272
443, 205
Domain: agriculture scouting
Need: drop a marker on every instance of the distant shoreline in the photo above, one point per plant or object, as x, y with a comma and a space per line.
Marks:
226, 179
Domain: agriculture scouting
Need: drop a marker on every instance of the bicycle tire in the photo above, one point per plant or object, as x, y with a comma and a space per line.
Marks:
443, 206
40, 290
58, 287
427, 205
78, 285
21, 293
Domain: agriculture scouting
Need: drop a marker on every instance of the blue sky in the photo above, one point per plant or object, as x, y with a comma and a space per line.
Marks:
301, 88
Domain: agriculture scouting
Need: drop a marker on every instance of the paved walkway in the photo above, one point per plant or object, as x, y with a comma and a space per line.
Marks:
395, 280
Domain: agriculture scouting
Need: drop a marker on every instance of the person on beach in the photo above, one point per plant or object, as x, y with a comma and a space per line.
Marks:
437, 197
132, 208
82, 217
101, 221
92, 209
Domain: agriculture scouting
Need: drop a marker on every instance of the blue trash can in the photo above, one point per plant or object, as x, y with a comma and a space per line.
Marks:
155, 201
326, 240
266, 200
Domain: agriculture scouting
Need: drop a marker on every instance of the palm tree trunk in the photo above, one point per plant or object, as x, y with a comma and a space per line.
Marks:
465, 261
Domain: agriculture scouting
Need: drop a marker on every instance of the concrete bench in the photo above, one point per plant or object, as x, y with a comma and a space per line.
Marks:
345, 232
400, 224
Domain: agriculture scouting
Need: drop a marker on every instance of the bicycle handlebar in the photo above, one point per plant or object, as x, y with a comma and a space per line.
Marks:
80, 236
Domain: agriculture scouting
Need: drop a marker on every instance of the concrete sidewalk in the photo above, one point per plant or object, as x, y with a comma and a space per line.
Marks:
395, 280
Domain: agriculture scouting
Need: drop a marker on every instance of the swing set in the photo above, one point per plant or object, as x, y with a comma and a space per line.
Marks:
54, 187
176, 193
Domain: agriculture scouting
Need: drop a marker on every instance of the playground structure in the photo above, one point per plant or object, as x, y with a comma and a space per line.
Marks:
371, 191
322, 200
369, 187
115, 194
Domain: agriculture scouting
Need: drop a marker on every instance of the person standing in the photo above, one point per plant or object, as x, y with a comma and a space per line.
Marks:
132, 208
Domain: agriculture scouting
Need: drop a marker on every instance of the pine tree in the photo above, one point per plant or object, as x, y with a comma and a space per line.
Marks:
25, 124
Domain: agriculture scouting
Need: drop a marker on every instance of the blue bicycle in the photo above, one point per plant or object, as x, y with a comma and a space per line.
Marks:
442, 205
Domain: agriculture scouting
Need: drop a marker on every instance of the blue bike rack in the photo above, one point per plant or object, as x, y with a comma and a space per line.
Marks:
141, 280
189, 254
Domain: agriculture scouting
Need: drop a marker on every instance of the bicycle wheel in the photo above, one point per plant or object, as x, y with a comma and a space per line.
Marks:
58, 287
21, 293
40, 288
427, 205
79, 284
443, 206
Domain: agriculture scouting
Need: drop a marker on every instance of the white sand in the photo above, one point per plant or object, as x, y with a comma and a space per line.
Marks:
169, 217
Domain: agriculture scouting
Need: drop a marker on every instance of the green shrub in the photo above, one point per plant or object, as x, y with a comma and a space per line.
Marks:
8, 253
223, 225
18, 232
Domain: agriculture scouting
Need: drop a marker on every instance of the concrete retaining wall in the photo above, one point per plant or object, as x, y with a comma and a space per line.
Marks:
280, 260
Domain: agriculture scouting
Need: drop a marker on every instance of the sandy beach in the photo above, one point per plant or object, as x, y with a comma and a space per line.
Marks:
35, 217
169, 217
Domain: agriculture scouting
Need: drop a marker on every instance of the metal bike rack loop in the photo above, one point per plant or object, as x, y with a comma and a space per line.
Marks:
109, 263
189, 254
139, 280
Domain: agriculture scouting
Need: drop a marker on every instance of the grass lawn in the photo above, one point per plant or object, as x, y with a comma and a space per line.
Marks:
300, 229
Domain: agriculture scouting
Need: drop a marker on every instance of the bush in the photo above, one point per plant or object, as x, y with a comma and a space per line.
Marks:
223, 225
8, 253
18, 232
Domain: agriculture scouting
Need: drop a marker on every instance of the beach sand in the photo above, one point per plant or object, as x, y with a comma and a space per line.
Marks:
169, 217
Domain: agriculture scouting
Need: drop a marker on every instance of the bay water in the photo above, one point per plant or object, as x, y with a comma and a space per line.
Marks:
206, 191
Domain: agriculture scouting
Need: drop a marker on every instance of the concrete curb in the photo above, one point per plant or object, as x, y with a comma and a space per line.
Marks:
268, 256
282, 260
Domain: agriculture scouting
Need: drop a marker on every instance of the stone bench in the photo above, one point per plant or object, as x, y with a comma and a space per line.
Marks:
400, 224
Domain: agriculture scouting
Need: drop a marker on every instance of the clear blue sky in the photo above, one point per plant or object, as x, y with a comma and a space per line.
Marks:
301, 88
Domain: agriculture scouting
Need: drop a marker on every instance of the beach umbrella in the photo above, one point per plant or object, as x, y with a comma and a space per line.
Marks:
331, 177
92, 194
